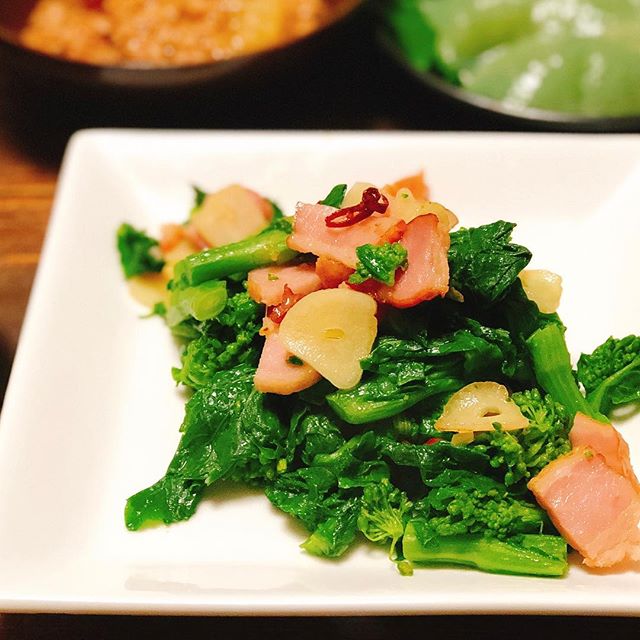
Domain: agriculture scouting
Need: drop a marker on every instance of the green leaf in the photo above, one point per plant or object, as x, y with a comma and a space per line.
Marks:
379, 263
229, 431
335, 197
334, 536
484, 262
138, 252
611, 374
198, 198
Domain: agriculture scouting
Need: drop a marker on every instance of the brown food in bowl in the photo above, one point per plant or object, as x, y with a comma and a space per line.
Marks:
171, 32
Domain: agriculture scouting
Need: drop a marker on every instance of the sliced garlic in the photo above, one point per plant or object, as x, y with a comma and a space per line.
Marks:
462, 437
149, 288
405, 206
478, 406
230, 215
332, 330
354, 194
542, 287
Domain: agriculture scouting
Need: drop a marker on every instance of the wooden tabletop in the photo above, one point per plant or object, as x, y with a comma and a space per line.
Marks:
26, 191
35, 123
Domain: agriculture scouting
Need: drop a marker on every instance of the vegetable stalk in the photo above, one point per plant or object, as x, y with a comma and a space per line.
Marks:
552, 365
268, 247
528, 554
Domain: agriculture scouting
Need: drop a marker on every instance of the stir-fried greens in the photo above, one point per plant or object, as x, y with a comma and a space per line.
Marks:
464, 395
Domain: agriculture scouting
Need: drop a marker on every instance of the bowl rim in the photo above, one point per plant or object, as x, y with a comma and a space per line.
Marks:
9, 38
531, 115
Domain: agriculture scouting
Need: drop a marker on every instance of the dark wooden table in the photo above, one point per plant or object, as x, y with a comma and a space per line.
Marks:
351, 88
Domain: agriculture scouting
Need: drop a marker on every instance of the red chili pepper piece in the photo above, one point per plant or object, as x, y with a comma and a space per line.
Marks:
93, 5
433, 440
372, 202
279, 311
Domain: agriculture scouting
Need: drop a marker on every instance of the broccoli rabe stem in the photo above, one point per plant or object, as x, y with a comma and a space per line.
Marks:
381, 397
354, 409
526, 554
269, 247
202, 302
552, 365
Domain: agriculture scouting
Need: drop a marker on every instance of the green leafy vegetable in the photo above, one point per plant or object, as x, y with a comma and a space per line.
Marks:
611, 374
523, 453
202, 302
433, 459
229, 431
198, 198
462, 502
379, 263
139, 253
528, 554
310, 495
386, 395
312, 434
355, 463
334, 536
521, 316
393, 478
222, 343
384, 514
335, 197
552, 365
484, 263
158, 309
408, 371
304, 494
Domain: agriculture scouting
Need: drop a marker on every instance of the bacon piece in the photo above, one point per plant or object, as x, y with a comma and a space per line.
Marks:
427, 273
170, 236
311, 234
604, 439
275, 374
331, 272
277, 313
195, 238
266, 285
173, 235
595, 508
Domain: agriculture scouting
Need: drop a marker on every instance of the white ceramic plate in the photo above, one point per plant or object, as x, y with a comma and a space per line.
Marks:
91, 414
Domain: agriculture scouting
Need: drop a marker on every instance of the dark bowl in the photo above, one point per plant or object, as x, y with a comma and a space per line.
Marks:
497, 111
21, 60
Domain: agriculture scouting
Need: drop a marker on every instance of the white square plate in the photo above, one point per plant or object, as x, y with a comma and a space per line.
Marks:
92, 414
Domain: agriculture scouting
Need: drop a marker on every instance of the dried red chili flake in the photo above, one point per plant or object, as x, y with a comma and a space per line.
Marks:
432, 440
277, 312
372, 202
93, 5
